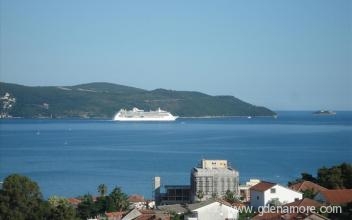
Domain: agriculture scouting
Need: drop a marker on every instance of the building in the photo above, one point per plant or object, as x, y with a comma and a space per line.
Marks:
114, 215
266, 193
334, 196
136, 214
172, 194
212, 209
137, 201
244, 189
211, 179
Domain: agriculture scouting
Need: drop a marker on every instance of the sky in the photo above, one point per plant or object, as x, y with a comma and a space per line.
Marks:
282, 54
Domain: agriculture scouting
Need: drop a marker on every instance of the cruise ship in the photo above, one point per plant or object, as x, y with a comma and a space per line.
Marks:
140, 115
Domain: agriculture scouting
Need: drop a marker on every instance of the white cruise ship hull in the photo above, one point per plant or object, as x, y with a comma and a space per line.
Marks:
140, 115
145, 119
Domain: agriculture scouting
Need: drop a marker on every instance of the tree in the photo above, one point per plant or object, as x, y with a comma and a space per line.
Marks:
20, 198
86, 208
304, 177
119, 199
309, 193
336, 177
200, 195
60, 209
102, 189
346, 170
330, 178
308, 177
230, 197
104, 204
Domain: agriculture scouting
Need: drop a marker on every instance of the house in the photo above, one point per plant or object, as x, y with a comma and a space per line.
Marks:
265, 193
244, 189
334, 196
136, 214
74, 201
212, 210
114, 215
137, 201
307, 185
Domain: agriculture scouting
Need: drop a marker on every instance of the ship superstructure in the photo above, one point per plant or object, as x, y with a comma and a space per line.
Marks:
140, 115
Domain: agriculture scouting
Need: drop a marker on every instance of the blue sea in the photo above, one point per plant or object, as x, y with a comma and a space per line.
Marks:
72, 157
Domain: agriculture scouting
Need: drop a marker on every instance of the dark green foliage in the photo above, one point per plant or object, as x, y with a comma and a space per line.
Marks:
200, 195
115, 201
304, 177
20, 198
175, 216
309, 193
346, 213
105, 204
87, 208
336, 177
103, 100
119, 199
102, 189
309, 177
60, 209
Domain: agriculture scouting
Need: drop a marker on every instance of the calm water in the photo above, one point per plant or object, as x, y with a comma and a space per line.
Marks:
72, 157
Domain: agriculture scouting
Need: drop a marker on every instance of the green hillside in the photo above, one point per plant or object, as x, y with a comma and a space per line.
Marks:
103, 100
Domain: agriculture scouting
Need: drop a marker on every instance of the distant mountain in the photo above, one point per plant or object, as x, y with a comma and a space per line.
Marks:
103, 100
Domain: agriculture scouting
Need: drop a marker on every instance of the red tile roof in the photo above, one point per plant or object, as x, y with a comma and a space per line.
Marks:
268, 216
74, 201
114, 215
262, 186
304, 202
304, 185
337, 196
136, 198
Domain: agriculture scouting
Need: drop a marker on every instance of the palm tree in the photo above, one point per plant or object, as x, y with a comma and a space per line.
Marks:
102, 189
200, 195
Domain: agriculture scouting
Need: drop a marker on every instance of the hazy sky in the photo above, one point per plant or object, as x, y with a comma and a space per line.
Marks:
278, 53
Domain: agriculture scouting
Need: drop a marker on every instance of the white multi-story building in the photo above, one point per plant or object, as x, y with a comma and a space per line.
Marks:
266, 193
212, 179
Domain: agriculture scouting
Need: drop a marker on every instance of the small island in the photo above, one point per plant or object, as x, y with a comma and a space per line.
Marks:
324, 112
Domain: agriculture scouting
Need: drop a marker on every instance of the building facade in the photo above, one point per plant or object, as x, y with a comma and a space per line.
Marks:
171, 194
244, 190
211, 179
265, 193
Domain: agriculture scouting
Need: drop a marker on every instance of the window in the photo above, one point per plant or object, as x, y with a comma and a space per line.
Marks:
257, 197
273, 190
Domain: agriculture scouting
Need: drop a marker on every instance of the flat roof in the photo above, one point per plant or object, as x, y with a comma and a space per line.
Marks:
177, 186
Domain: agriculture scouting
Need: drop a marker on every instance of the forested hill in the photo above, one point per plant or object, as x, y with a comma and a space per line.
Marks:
103, 100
